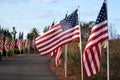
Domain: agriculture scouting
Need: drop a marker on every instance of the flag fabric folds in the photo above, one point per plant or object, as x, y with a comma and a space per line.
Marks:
92, 51
56, 53
1, 40
19, 42
12, 45
6, 46
67, 30
27, 43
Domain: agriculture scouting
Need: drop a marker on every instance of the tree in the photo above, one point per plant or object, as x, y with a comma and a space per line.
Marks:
86, 28
46, 29
34, 33
113, 33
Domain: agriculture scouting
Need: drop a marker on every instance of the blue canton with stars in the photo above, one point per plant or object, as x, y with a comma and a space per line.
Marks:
70, 21
102, 14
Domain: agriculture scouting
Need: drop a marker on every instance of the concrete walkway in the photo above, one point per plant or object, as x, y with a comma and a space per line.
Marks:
27, 67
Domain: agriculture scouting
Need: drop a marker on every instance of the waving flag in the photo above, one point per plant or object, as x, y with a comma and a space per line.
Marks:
12, 45
6, 44
19, 42
92, 51
27, 43
67, 30
1, 39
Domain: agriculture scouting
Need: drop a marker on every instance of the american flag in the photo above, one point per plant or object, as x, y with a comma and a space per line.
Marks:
57, 52
6, 46
92, 51
19, 42
1, 40
12, 45
67, 30
27, 43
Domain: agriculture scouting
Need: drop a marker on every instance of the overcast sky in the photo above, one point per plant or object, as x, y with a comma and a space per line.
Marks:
27, 14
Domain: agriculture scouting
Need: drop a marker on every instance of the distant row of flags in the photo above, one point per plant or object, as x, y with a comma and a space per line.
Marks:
68, 30
11, 45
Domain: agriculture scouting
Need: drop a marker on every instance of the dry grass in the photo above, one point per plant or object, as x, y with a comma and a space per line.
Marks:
74, 63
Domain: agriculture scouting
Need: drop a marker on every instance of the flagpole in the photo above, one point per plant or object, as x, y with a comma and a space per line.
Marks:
29, 50
56, 62
13, 53
20, 52
108, 50
65, 61
108, 76
2, 43
65, 64
6, 54
80, 44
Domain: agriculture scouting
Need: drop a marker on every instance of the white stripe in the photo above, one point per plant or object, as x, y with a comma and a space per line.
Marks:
98, 32
56, 36
47, 39
53, 47
99, 46
91, 61
96, 40
48, 35
59, 54
96, 58
55, 42
99, 25
49, 31
86, 65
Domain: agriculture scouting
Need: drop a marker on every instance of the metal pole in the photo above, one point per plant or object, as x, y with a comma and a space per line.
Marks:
29, 50
14, 34
20, 52
13, 53
108, 61
6, 54
14, 48
80, 45
108, 51
65, 61
56, 63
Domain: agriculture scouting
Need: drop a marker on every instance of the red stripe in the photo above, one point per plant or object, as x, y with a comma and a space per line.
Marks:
54, 36
12, 45
97, 36
47, 38
47, 34
57, 38
99, 28
7, 44
57, 42
60, 45
19, 44
93, 58
99, 41
88, 62
84, 69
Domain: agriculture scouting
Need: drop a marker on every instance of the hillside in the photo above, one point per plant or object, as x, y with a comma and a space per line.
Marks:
74, 63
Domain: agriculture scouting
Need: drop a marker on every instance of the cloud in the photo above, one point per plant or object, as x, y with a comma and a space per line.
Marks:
30, 16
47, 1
11, 1
18, 1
